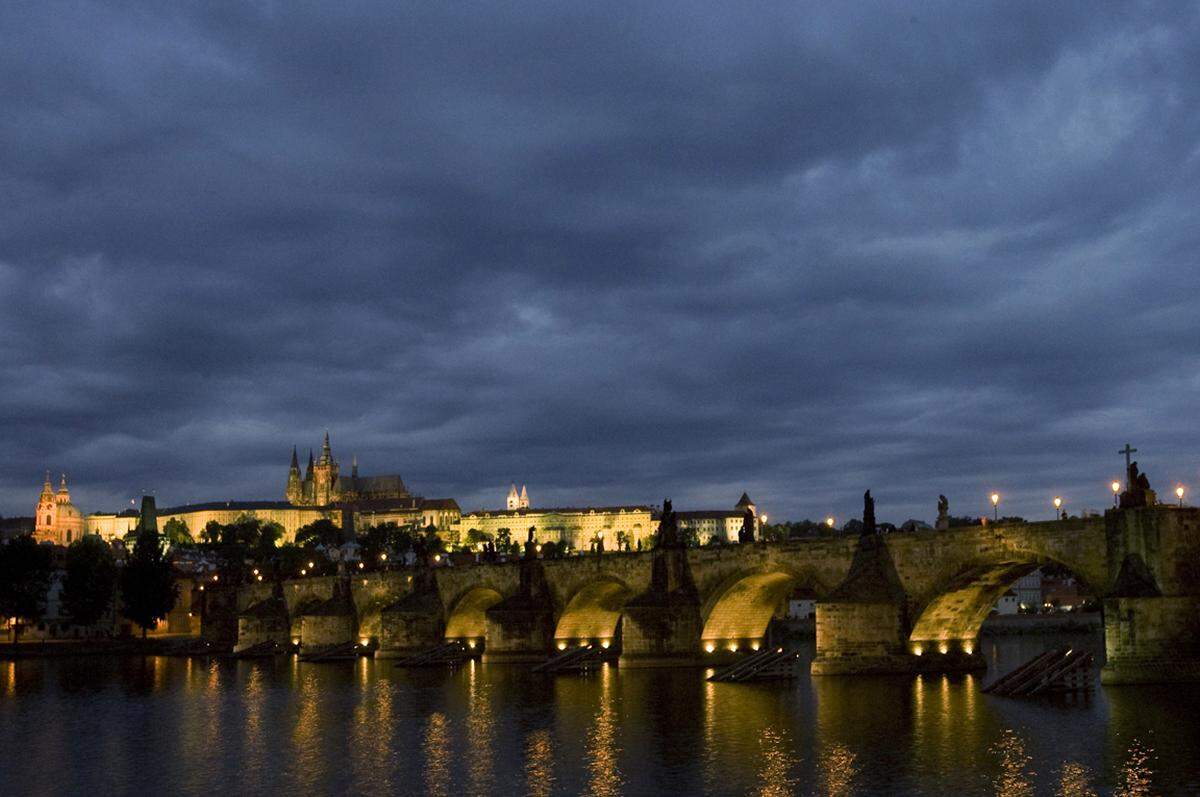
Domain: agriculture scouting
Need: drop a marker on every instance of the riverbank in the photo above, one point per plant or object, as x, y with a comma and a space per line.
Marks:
172, 645
1067, 623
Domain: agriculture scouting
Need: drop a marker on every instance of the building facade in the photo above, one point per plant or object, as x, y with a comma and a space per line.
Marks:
56, 520
723, 524
578, 527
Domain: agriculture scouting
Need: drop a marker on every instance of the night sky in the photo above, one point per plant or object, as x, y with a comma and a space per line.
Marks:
614, 251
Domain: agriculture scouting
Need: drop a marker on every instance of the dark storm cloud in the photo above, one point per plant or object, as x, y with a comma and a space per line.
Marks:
614, 251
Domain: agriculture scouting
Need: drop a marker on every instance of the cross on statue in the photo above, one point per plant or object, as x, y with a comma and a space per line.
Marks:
1128, 452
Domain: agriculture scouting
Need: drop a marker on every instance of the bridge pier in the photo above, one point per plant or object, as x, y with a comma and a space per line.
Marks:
415, 621
521, 627
662, 626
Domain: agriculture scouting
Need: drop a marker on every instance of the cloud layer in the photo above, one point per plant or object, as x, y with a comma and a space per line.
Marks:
616, 252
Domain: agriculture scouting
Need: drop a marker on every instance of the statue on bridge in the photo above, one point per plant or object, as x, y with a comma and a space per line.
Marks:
530, 544
943, 517
668, 528
1137, 491
869, 514
746, 532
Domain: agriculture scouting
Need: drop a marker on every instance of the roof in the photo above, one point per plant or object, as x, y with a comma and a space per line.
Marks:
557, 510
710, 514
439, 503
387, 483
216, 506
744, 501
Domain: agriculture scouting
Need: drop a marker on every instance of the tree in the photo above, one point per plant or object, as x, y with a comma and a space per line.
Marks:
176, 532
475, 537
91, 580
319, 532
148, 589
24, 580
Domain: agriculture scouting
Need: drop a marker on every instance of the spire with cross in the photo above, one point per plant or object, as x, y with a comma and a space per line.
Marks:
1128, 451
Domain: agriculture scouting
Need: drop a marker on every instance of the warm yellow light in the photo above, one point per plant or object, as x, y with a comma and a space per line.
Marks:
764, 518
1057, 502
202, 588
943, 648
917, 650
311, 565
364, 642
437, 557
968, 648
216, 577
471, 644
296, 640
829, 521
604, 643
709, 647
303, 572
1179, 491
733, 646
995, 498
754, 646
256, 571
260, 578
562, 645
360, 565
383, 557
538, 547
1116, 487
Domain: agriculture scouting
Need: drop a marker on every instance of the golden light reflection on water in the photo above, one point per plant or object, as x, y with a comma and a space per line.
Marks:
480, 729
605, 780
710, 734
838, 770
436, 748
10, 679
1133, 780
1015, 778
775, 772
1075, 781
539, 764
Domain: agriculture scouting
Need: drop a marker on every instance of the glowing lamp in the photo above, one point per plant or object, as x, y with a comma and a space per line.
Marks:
1116, 487
917, 650
709, 647
259, 578
1057, 502
216, 577
311, 565
943, 648
605, 643
562, 645
303, 572
733, 646
829, 521
995, 498
437, 557
383, 557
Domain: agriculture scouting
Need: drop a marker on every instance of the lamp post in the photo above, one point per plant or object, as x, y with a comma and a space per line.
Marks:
829, 521
1116, 488
1057, 507
1179, 491
995, 507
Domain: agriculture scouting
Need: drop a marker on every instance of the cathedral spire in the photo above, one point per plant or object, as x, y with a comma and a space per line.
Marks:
295, 461
326, 453
309, 471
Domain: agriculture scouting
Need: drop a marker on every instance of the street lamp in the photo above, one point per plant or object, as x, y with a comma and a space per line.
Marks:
1057, 507
1116, 488
1179, 491
995, 506
829, 521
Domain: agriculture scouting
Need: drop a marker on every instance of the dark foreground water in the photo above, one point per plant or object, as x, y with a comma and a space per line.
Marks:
176, 726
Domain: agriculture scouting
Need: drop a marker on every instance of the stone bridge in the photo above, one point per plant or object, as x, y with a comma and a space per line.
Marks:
885, 603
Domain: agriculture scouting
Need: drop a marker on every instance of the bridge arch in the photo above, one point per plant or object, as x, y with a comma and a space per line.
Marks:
739, 609
593, 613
948, 617
467, 618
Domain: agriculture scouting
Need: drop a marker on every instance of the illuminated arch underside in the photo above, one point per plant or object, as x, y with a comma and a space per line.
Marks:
593, 613
959, 612
745, 609
468, 620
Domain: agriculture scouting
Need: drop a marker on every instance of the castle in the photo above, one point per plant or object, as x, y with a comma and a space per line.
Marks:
322, 485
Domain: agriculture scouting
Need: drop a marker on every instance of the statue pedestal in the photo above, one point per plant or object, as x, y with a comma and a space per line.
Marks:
1151, 640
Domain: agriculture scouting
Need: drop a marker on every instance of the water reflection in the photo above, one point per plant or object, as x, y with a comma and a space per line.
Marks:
602, 749
1134, 777
775, 772
479, 735
539, 764
837, 771
1015, 778
1075, 781
437, 755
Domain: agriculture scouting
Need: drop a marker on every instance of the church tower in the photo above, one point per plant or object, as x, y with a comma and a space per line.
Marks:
524, 503
325, 475
295, 491
514, 500
47, 511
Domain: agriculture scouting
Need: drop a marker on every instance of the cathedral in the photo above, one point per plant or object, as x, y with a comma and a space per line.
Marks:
57, 520
323, 485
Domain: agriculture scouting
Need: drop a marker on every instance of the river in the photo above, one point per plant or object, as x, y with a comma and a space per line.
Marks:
150, 726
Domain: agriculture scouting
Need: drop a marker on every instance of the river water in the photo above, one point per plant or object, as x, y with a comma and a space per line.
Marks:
151, 726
